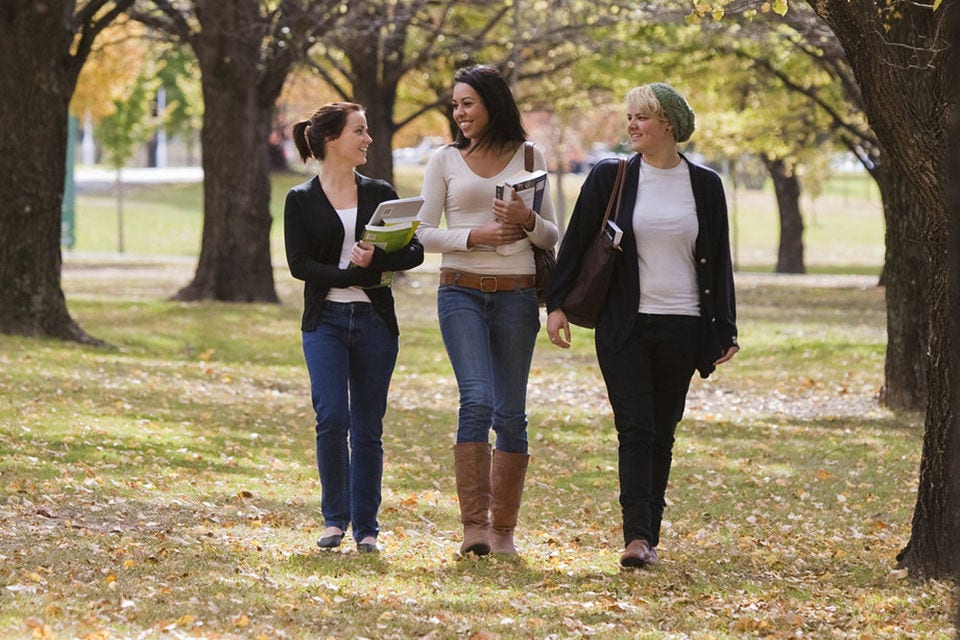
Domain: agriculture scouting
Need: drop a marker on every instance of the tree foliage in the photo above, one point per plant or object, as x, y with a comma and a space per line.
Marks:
131, 121
397, 57
180, 78
113, 68
125, 69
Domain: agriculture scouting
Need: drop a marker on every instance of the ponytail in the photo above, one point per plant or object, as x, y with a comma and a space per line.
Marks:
300, 133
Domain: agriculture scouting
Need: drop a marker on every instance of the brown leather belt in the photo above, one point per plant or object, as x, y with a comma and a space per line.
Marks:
487, 284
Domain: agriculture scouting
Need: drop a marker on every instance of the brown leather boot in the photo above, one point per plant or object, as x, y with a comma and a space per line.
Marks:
638, 554
506, 481
472, 466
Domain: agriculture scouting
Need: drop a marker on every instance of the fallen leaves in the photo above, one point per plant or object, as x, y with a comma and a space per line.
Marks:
37, 628
147, 498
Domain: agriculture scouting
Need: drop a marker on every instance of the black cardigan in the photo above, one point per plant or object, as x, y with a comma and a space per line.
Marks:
718, 315
313, 236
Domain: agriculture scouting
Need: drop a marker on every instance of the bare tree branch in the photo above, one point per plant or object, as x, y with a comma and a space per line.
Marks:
91, 23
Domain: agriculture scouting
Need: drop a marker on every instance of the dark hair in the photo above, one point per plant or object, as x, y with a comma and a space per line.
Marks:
326, 123
504, 126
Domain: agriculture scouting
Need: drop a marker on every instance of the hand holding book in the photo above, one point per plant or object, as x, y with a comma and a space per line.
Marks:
526, 187
511, 209
390, 237
391, 228
362, 254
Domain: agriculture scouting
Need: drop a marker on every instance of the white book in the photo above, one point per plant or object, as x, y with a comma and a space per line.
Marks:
614, 231
399, 210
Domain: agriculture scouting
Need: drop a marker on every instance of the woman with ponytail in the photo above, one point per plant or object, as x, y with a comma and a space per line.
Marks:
349, 326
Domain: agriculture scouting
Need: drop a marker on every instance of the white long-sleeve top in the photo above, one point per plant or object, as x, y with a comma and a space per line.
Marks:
453, 192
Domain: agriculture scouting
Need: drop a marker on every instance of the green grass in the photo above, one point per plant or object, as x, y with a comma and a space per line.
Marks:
168, 219
844, 227
842, 234
166, 486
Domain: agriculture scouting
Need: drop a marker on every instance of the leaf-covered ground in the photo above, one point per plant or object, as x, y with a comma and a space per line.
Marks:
166, 487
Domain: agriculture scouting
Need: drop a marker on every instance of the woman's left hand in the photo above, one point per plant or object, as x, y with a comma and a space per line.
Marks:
728, 354
362, 254
513, 211
558, 328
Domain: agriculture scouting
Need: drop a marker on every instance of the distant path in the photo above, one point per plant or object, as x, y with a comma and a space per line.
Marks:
158, 277
103, 176
856, 281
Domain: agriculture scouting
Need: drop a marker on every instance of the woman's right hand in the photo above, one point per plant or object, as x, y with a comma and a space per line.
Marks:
494, 234
362, 254
558, 328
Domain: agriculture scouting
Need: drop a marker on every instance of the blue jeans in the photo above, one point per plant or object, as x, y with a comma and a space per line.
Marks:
489, 338
647, 381
350, 357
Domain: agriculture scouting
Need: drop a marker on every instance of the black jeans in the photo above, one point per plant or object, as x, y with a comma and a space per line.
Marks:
647, 381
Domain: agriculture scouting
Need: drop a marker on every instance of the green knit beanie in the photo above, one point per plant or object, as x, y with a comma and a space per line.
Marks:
675, 108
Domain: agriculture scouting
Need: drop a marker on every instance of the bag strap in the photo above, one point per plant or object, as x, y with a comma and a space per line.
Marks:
528, 156
613, 203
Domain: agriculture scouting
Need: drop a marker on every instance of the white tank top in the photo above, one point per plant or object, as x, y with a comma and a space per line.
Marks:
347, 294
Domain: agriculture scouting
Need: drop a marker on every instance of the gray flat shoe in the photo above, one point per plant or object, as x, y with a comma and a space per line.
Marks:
330, 542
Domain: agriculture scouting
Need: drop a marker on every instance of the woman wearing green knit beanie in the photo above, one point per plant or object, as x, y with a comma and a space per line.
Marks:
670, 309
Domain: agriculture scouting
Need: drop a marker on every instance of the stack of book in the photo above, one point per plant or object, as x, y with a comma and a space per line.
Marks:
392, 226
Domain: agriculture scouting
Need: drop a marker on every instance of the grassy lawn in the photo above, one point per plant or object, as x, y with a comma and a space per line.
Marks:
844, 227
166, 487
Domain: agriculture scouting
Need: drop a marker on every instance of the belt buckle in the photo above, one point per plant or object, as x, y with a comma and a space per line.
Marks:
488, 279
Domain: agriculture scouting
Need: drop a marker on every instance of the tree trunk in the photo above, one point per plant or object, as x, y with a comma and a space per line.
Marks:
933, 546
906, 51
235, 264
786, 186
380, 121
378, 96
953, 250
33, 148
905, 368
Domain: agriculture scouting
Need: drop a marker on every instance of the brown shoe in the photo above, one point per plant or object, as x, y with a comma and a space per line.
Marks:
637, 554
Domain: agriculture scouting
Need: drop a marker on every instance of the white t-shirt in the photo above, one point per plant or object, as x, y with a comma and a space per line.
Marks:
665, 224
464, 200
347, 294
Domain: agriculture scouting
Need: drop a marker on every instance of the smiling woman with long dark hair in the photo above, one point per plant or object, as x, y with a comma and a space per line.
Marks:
487, 301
